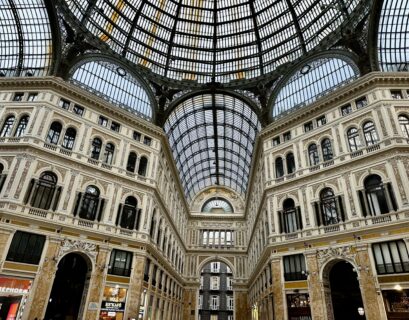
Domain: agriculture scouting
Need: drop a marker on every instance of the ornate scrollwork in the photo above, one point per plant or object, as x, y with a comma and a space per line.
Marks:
346, 252
75, 245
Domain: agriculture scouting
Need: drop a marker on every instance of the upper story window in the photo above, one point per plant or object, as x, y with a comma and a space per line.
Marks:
26, 248
309, 126
129, 214
396, 94
370, 134
44, 193
391, 257
290, 217
109, 153
279, 166
54, 133
115, 126
22, 126
290, 162
147, 140
89, 205
294, 268
215, 267
404, 125
214, 283
78, 110
102, 121
347, 109
8, 126
69, 138
120, 263
2, 176
131, 163
313, 154
331, 209
361, 102
143, 166
321, 121
276, 141
18, 96
96, 148
32, 96
354, 140
287, 136
65, 104
217, 205
326, 149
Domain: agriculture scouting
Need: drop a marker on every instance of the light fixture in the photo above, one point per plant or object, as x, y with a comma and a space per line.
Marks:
361, 311
398, 287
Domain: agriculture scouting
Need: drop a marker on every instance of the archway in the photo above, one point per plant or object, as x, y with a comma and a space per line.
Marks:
216, 300
67, 292
345, 292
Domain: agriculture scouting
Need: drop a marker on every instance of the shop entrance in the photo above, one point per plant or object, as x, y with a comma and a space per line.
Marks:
68, 288
345, 292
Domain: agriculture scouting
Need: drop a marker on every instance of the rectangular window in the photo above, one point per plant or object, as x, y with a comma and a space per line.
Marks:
201, 282
32, 96
137, 136
321, 121
200, 301
65, 104
214, 303
294, 268
147, 140
396, 94
391, 257
102, 121
215, 267
276, 141
120, 263
78, 110
229, 283
361, 102
18, 96
214, 283
146, 272
115, 126
230, 303
26, 248
287, 136
308, 126
347, 109
204, 238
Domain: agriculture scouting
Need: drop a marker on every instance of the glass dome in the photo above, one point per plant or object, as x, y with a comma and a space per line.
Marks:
205, 40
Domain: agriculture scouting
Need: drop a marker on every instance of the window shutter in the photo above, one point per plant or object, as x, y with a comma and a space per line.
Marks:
77, 203
57, 198
341, 207
317, 213
29, 190
362, 202
101, 209
391, 193
118, 214
299, 218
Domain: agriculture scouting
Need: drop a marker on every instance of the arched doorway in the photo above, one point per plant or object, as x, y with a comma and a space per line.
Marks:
345, 292
68, 288
216, 301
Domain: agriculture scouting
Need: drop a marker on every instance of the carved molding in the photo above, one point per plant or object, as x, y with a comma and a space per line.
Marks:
68, 246
346, 252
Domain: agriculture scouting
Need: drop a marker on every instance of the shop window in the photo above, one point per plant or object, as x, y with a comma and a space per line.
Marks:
44, 193
54, 133
21, 127
361, 102
102, 121
120, 263
326, 149
404, 125
279, 166
115, 126
96, 148
345, 110
287, 136
396, 94
26, 248
308, 126
131, 164
391, 257
143, 166
65, 104
117, 295
290, 217
147, 140
299, 306
18, 96
129, 214
396, 303
294, 268
313, 155
32, 96
136, 136
353, 139
89, 205
109, 153
78, 110
290, 161
69, 138
371, 137
7, 126
321, 121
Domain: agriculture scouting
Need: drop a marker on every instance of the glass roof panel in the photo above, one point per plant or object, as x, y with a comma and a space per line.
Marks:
313, 80
25, 38
212, 138
393, 36
203, 40
114, 84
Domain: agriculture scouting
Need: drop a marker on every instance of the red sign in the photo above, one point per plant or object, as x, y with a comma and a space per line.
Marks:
13, 285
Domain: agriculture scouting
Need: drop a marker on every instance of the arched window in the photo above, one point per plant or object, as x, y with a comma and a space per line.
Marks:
353, 139
69, 138
371, 137
313, 154
21, 127
54, 133
217, 205
44, 191
7, 126
290, 218
328, 207
109, 153
326, 149
376, 195
404, 125
279, 167
91, 204
290, 163
143, 166
128, 214
96, 148
131, 164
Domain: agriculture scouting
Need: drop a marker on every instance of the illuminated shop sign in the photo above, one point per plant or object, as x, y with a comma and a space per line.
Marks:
112, 306
12, 285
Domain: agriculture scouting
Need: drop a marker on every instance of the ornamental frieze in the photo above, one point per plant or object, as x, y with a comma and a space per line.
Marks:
68, 246
346, 252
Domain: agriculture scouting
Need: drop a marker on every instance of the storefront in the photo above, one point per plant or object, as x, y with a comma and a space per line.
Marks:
299, 306
13, 297
396, 303
113, 303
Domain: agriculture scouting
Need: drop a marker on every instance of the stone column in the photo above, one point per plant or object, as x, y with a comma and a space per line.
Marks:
367, 283
241, 308
135, 287
189, 303
97, 283
317, 305
278, 289
43, 282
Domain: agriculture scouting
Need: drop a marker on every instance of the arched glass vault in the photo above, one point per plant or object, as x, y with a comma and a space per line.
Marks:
212, 138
